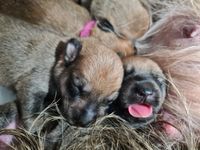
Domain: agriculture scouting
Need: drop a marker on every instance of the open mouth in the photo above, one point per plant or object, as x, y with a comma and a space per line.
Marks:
140, 110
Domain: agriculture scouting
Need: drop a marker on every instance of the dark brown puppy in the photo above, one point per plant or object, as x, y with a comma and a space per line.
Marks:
142, 93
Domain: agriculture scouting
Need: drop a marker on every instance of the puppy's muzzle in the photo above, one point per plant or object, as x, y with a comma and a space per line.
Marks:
85, 116
145, 91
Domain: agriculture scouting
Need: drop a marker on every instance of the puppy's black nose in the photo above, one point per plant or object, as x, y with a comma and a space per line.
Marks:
87, 117
145, 89
84, 117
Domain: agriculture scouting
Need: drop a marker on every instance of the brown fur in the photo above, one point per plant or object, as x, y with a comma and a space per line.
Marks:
125, 16
26, 62
61, 16
126, 20
85, 90
182, 68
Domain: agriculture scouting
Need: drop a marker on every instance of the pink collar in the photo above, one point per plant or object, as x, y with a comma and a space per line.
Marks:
87, 29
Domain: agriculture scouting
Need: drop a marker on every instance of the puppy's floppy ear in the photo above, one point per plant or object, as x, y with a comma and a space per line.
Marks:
68, 51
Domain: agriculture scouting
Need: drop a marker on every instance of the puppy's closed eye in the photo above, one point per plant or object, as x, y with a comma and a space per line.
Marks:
74, 91
105, 25
78, 86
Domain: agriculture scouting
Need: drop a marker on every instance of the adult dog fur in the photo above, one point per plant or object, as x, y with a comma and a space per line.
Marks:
175, 47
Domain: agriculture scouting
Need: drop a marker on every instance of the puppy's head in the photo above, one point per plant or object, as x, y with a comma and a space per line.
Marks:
119, 22
125, 16
86, 77
142, 93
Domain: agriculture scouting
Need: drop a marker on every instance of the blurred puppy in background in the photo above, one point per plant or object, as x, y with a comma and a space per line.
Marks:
120, 22
114, 29
62, 17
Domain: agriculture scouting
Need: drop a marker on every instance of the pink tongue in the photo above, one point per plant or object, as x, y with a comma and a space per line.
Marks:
140, 110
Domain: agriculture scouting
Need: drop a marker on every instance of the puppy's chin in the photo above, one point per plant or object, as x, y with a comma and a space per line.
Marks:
135, 121
139, 122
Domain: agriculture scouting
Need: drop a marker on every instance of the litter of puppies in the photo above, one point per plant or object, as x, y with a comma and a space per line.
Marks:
132, 83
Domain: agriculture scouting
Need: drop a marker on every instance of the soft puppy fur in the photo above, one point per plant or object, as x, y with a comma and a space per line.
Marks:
84, 90
144, 85
124, 16
62, 17
26, 62
120, 22
67, 18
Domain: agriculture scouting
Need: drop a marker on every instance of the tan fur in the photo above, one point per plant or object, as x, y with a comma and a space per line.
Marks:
143, 65
125, 16
107, 81
122, 47
182, 67
126, 19
61, 16
177, 53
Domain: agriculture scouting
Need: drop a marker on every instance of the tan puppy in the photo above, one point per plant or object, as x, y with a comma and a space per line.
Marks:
124, 16
142, 93
61, 16
122, 20
66, 17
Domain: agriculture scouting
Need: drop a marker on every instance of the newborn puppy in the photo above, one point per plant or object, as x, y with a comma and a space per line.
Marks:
120, 22
115, 28
124, 16
84, 82
142, 93
85, 77
62, 17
